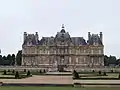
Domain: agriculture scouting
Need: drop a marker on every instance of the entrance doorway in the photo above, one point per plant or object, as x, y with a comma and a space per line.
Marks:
61, 65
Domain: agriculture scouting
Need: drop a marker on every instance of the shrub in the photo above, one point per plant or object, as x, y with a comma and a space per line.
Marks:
119, 76
24, 70
99, 72
44, 71
8, 70
13, 71
104, 73
111, 71
93, 71
17, 75
28, 73
40, 71
75, 75
5, 72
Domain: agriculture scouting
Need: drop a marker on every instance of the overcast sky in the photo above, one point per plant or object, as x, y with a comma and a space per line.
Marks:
46, 17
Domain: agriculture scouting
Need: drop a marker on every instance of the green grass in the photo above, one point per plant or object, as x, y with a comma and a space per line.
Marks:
54, 88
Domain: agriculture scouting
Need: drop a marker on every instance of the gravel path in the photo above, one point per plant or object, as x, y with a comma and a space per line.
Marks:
42, 80
55, 80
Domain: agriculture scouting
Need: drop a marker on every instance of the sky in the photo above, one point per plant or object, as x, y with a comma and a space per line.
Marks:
47, 16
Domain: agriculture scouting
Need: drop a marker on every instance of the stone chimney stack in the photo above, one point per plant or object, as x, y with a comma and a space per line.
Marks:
101, 36
89, 36
25, 36
36, 37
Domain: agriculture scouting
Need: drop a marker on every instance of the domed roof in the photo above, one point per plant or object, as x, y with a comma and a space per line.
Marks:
62, 35
62, 31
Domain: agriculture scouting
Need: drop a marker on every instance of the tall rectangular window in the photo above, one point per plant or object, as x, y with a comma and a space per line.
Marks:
92, 60
91, 51
70, 51
100, 52
70, 60
84, 61
84, 51
76, 60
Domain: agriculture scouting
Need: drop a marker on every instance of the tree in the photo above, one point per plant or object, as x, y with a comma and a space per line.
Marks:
118, 62
112, 60
9, 58
5, 60
106, 58
19, 57
13, 59
1, 60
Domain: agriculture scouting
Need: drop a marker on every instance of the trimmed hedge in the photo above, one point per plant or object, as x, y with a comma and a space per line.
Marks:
24, 70
17, 76
8, 70
13, 71
5, 72
119, 76
29, 74
75, 75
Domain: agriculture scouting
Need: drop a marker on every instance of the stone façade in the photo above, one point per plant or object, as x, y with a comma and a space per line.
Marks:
63, 50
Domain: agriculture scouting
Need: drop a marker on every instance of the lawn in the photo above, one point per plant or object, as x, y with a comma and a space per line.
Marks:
55, 88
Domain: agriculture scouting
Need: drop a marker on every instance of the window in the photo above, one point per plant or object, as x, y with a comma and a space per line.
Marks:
40, 51
70, 51
92, 59
84, 60
70, 60
100, 52
32, 50
66, 50
54, 51
99, 60
84, 51
76, 60
48, 52
91, 51
76, 51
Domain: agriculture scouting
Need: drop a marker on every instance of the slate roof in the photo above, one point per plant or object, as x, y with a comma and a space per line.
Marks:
62, 36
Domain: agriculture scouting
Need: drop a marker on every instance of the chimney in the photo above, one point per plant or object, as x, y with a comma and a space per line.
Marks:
89, 36
36, 37
101, 36
25, 36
